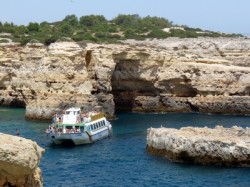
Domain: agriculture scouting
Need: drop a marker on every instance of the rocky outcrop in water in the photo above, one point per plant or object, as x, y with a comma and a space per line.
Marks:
218, 146
19, 160
207, 75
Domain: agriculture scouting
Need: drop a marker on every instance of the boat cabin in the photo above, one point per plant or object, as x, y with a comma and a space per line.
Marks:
72, 116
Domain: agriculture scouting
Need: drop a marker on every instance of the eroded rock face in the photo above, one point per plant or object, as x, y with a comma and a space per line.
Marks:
19, 159
49, 79
208, 75
218, 146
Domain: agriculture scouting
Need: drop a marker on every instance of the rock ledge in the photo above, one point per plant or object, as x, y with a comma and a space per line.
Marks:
19, 159
206, 146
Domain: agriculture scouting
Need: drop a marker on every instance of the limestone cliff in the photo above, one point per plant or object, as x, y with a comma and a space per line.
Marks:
218, 146
19, 159
208, 75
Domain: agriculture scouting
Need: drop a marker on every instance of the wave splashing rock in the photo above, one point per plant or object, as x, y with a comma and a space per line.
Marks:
206, 146
19, 159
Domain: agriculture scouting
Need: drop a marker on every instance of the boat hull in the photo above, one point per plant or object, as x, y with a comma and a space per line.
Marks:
80, 138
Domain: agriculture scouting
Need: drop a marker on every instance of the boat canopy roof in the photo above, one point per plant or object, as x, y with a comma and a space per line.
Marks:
73, 111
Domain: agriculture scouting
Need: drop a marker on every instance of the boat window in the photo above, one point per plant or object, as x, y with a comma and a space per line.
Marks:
95, 126
92, 127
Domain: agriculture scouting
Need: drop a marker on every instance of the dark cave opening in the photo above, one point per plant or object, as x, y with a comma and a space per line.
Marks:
125, 100
127, 85
194, 108
16, 103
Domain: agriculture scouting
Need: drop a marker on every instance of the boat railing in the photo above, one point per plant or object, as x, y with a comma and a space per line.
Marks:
59, 130
80, 118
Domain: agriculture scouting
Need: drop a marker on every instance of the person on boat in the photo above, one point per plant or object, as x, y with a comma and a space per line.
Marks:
55, 118
77, 130
60, 119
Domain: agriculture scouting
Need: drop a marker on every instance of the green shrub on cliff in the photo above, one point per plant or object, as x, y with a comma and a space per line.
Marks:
33, 27
96, 28
92, 20
4, 41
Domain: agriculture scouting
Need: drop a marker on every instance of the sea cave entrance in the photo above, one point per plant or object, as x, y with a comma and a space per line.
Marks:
128, 85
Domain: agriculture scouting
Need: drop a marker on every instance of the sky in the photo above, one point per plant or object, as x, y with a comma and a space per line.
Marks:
228, 16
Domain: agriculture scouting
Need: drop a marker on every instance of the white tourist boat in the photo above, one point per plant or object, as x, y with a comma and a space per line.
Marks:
79, 128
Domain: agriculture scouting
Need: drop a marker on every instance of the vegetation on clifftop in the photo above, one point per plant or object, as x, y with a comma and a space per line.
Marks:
96, 28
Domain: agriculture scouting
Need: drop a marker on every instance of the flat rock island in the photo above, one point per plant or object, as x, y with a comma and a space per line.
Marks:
205, 146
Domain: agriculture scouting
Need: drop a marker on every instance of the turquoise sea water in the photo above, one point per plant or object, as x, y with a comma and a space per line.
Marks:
122, 159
